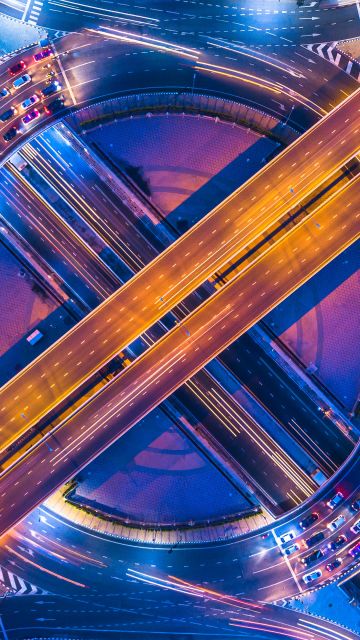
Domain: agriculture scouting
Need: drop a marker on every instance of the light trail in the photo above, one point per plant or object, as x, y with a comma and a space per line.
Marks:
38, 566
255, 55
123, 16
159, 45
263, 83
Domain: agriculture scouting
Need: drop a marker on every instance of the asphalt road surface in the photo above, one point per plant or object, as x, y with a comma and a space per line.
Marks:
181, 353
178, 271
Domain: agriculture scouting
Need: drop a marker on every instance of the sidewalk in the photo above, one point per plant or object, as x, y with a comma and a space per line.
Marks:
329, 604
187, 536
15, 35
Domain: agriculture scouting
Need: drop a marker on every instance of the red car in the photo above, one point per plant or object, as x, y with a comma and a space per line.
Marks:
17, 68
42, 54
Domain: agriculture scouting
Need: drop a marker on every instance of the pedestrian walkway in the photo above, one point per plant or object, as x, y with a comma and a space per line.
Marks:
16, 35
16, 586
331, 52
190, 535
32, 12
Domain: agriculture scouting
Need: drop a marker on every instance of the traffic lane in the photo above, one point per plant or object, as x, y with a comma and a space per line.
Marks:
183, 267
139, 68
292, 407
326, 516
145, 612
132, 67
285, 483
271, 28
164, 611
38, 82
273, 474
148, 381
209, 562
64, 168
57, 244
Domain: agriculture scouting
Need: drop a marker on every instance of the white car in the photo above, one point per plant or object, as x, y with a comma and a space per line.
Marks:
286, 537
292, 549
335, 500
310, 577
30, 101
356, 527
335, 524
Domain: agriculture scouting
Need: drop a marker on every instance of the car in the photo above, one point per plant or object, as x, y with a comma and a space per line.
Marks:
292, 549
310, 577
355, 506
314, 539
30, 116
337, 543
19, 82
313, 557
335, 524
334, 565
30, 101
51, 88
17, 68
286, 537
9, 113
4, 92
309, 520
335, 500
55, 106
356, 527
10, 134
355, 551
45, 53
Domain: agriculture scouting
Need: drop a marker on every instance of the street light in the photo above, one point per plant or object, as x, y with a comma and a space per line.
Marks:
288, 116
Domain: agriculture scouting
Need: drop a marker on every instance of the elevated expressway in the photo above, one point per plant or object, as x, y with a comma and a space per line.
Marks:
151, 378
248, 214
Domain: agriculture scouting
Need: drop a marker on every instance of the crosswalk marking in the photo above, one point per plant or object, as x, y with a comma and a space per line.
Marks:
32, 11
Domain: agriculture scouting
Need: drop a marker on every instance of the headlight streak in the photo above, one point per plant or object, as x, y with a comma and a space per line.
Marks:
235, 424
258, 56
38, 566
243, 620
159, 45
275, 87
41, 540
106, 13
279, 629
182, 586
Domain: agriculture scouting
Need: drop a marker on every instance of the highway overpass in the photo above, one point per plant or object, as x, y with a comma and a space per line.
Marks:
180, 353
244, 216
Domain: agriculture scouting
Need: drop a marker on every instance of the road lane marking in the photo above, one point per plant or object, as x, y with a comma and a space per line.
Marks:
288, 563
71, 93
